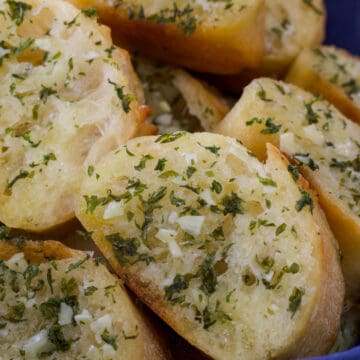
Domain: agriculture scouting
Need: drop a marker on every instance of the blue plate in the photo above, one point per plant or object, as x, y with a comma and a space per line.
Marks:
343, 25
343, 30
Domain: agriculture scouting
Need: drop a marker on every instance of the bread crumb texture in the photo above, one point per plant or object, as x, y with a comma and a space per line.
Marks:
340, 68
63, 93
290, 27
312, 131
224, 248
322, 143
178, 100
65, 309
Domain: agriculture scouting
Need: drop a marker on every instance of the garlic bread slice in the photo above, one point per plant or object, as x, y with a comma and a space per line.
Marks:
290, 27
209, 36
61, 303
331, 72
233, 254
178, 100
324, 143
67, 95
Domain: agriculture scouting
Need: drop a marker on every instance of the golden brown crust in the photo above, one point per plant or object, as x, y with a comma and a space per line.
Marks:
290, 27
320, 330
224, 50
287, 111
323, 281
77, 102
38, 251
346, 230
304, 75
200, 98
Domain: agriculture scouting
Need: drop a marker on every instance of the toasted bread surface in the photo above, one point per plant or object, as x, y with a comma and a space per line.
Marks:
66, 99
178, 101
333, 73
290, 27
61, 303
320, 140
218, 244
205, 35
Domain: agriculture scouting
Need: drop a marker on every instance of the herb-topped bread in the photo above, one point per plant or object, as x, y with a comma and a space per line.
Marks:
333, 73
177, 100
59, 303
235, 255
67, 95
322, 143
209, 36
290, 27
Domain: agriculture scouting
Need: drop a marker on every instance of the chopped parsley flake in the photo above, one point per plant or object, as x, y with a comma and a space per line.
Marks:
305, 200
295, 300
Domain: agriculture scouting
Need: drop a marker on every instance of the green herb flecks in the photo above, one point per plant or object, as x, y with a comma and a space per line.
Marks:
180, 282
305, 200
305, 159
109, 339
77, 264
271, 128
167, 138
142, 162
89, 12
17, 10
232, 204
125, 99
295, 300
57, 338
294, 171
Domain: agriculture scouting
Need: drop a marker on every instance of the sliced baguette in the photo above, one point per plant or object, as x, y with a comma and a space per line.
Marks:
60, 303
59, 111
290, 26
208, 36
324, 144
333, 73
178, 100
222, 247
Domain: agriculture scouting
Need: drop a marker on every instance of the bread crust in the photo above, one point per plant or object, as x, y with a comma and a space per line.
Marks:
224, 49
322, 330
319, 317
293, 118
178, 101
52, 124
303, 74
38, 252
289, 28
204, 102
346, 229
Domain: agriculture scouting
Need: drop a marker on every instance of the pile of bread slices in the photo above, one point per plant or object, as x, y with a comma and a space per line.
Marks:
235, 220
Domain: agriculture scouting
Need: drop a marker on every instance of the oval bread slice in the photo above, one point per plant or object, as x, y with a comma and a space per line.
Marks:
207, 36
235, 255
331, 72
317, 137
290, 26
61, 303
67, 95
178, 100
